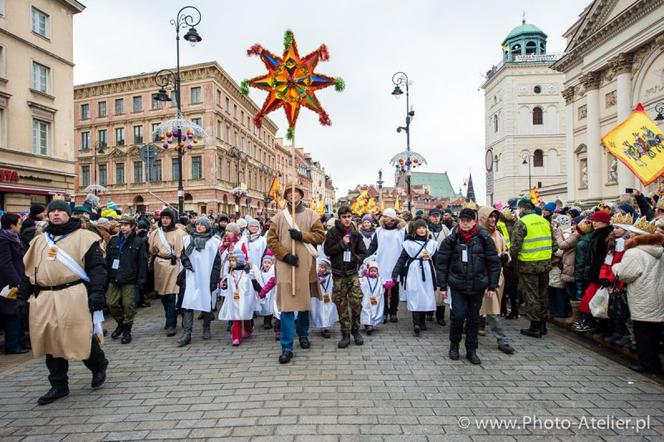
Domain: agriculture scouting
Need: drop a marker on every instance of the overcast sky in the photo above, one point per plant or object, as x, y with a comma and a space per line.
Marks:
443, 46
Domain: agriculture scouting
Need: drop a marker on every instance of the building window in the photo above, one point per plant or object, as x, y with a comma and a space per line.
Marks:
538, 158
175, 171
138, 134
228, 133
138, 103
40, 76
153, 128
119, 106
235, 139
119, 136
101, 109
138, 171
85, 140
196, 168
531, 47
101, 137
197, 121
40, 22
242, 118
218, 98
155, 172
495, 123
119, 173
156, 104
103, 176
537, 89
228, 170
537, 116
40, 133
85, 111
228, 105
85, 176
196, 95
218, 132
235, 111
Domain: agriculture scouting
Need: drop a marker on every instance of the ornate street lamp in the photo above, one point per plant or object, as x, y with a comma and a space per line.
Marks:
179, 132
659, 108
401, 79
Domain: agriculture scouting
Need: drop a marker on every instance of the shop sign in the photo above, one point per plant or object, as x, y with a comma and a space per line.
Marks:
8, 176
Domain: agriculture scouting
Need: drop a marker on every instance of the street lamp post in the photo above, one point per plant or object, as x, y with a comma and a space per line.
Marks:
380, 185
399, 79
527, 159
165, 77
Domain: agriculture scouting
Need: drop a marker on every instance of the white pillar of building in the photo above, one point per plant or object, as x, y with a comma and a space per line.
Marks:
622, 65
593, 137
570, 160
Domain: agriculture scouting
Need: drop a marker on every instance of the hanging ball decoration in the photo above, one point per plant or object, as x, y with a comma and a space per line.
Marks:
169, 133
195, 141
181, 144
190, 146
400, 161
415, 161
190, 132
165, 146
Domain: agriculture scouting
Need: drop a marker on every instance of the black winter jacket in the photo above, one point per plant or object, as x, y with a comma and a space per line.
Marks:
482, 270
596, 253
133, 267
334, 248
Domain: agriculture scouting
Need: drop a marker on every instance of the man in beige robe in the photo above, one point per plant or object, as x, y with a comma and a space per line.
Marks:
65, 281
165, 245
488, 217
307, 230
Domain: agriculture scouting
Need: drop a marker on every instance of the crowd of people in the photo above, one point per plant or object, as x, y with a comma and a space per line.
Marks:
64, 266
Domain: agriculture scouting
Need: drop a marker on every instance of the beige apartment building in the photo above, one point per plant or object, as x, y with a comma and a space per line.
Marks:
114, 118
36, 101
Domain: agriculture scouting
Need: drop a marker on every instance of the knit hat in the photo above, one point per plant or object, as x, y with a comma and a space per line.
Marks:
419, 212
205, 221
577, 219
241, 223
538, 211
324, 262
601, 216
239, 257
448, 210
254, 222
390, 213
417, 224
59, 205
91, 200
367, 218
222, 217
36, 209
268, 257
232, 228
550, 206
498, 205
468, 213
82, 209
574, 212
512, 203
525, 202
627, 209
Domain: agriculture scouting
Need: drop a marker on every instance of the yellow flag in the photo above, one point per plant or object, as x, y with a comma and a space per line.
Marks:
277, 192
382, 205
534, 196
639, 144
397, 204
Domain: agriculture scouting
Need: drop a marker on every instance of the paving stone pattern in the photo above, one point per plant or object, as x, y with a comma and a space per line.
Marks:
395, 387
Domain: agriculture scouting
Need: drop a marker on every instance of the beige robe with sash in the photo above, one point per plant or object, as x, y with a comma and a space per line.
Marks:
306, 280
166, 274
491, 305
60, 321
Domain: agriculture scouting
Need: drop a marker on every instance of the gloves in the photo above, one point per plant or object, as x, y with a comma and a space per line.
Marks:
504, 258
291, 259
21, 308
96, 302
295, 234
389, 284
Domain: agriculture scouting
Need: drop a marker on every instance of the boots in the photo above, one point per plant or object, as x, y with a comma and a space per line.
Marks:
126, 335
453, 354
345, 340
99, 376
267, 322
187, 324
118, 331
543, 329
440, 315
53, 395
357, 337
471, 355
206, 325
534, 331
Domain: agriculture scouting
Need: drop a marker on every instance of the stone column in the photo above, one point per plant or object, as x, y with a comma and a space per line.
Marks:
590, 82
570, 160
622, 66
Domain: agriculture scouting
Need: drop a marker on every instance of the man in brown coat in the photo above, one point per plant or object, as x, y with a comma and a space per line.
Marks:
307, 232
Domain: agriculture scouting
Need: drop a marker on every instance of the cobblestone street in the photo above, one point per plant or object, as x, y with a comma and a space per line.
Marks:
394, 387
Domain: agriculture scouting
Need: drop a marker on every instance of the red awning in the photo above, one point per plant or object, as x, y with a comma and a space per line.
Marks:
29, 190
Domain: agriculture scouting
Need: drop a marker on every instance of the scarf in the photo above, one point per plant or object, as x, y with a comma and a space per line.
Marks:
198, 241
367, 233
466, 237
228, 243
62, 229
251, 237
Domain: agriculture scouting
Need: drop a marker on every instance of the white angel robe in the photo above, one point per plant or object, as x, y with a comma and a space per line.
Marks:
373, 301
197, 295
420, 294
390, 244
239, 297
265, 306
324, 311
256, 250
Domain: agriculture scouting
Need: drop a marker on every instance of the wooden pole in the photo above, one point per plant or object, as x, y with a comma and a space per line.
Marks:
293, 177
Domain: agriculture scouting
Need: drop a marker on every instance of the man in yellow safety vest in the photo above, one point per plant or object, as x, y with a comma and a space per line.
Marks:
532, 246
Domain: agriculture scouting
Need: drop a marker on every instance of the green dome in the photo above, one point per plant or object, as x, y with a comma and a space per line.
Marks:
524, 29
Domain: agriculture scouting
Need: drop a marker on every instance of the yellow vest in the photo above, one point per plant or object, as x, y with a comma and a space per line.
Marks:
537, 245
503, 229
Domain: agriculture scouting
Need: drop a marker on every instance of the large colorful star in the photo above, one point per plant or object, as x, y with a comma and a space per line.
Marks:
291, 82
